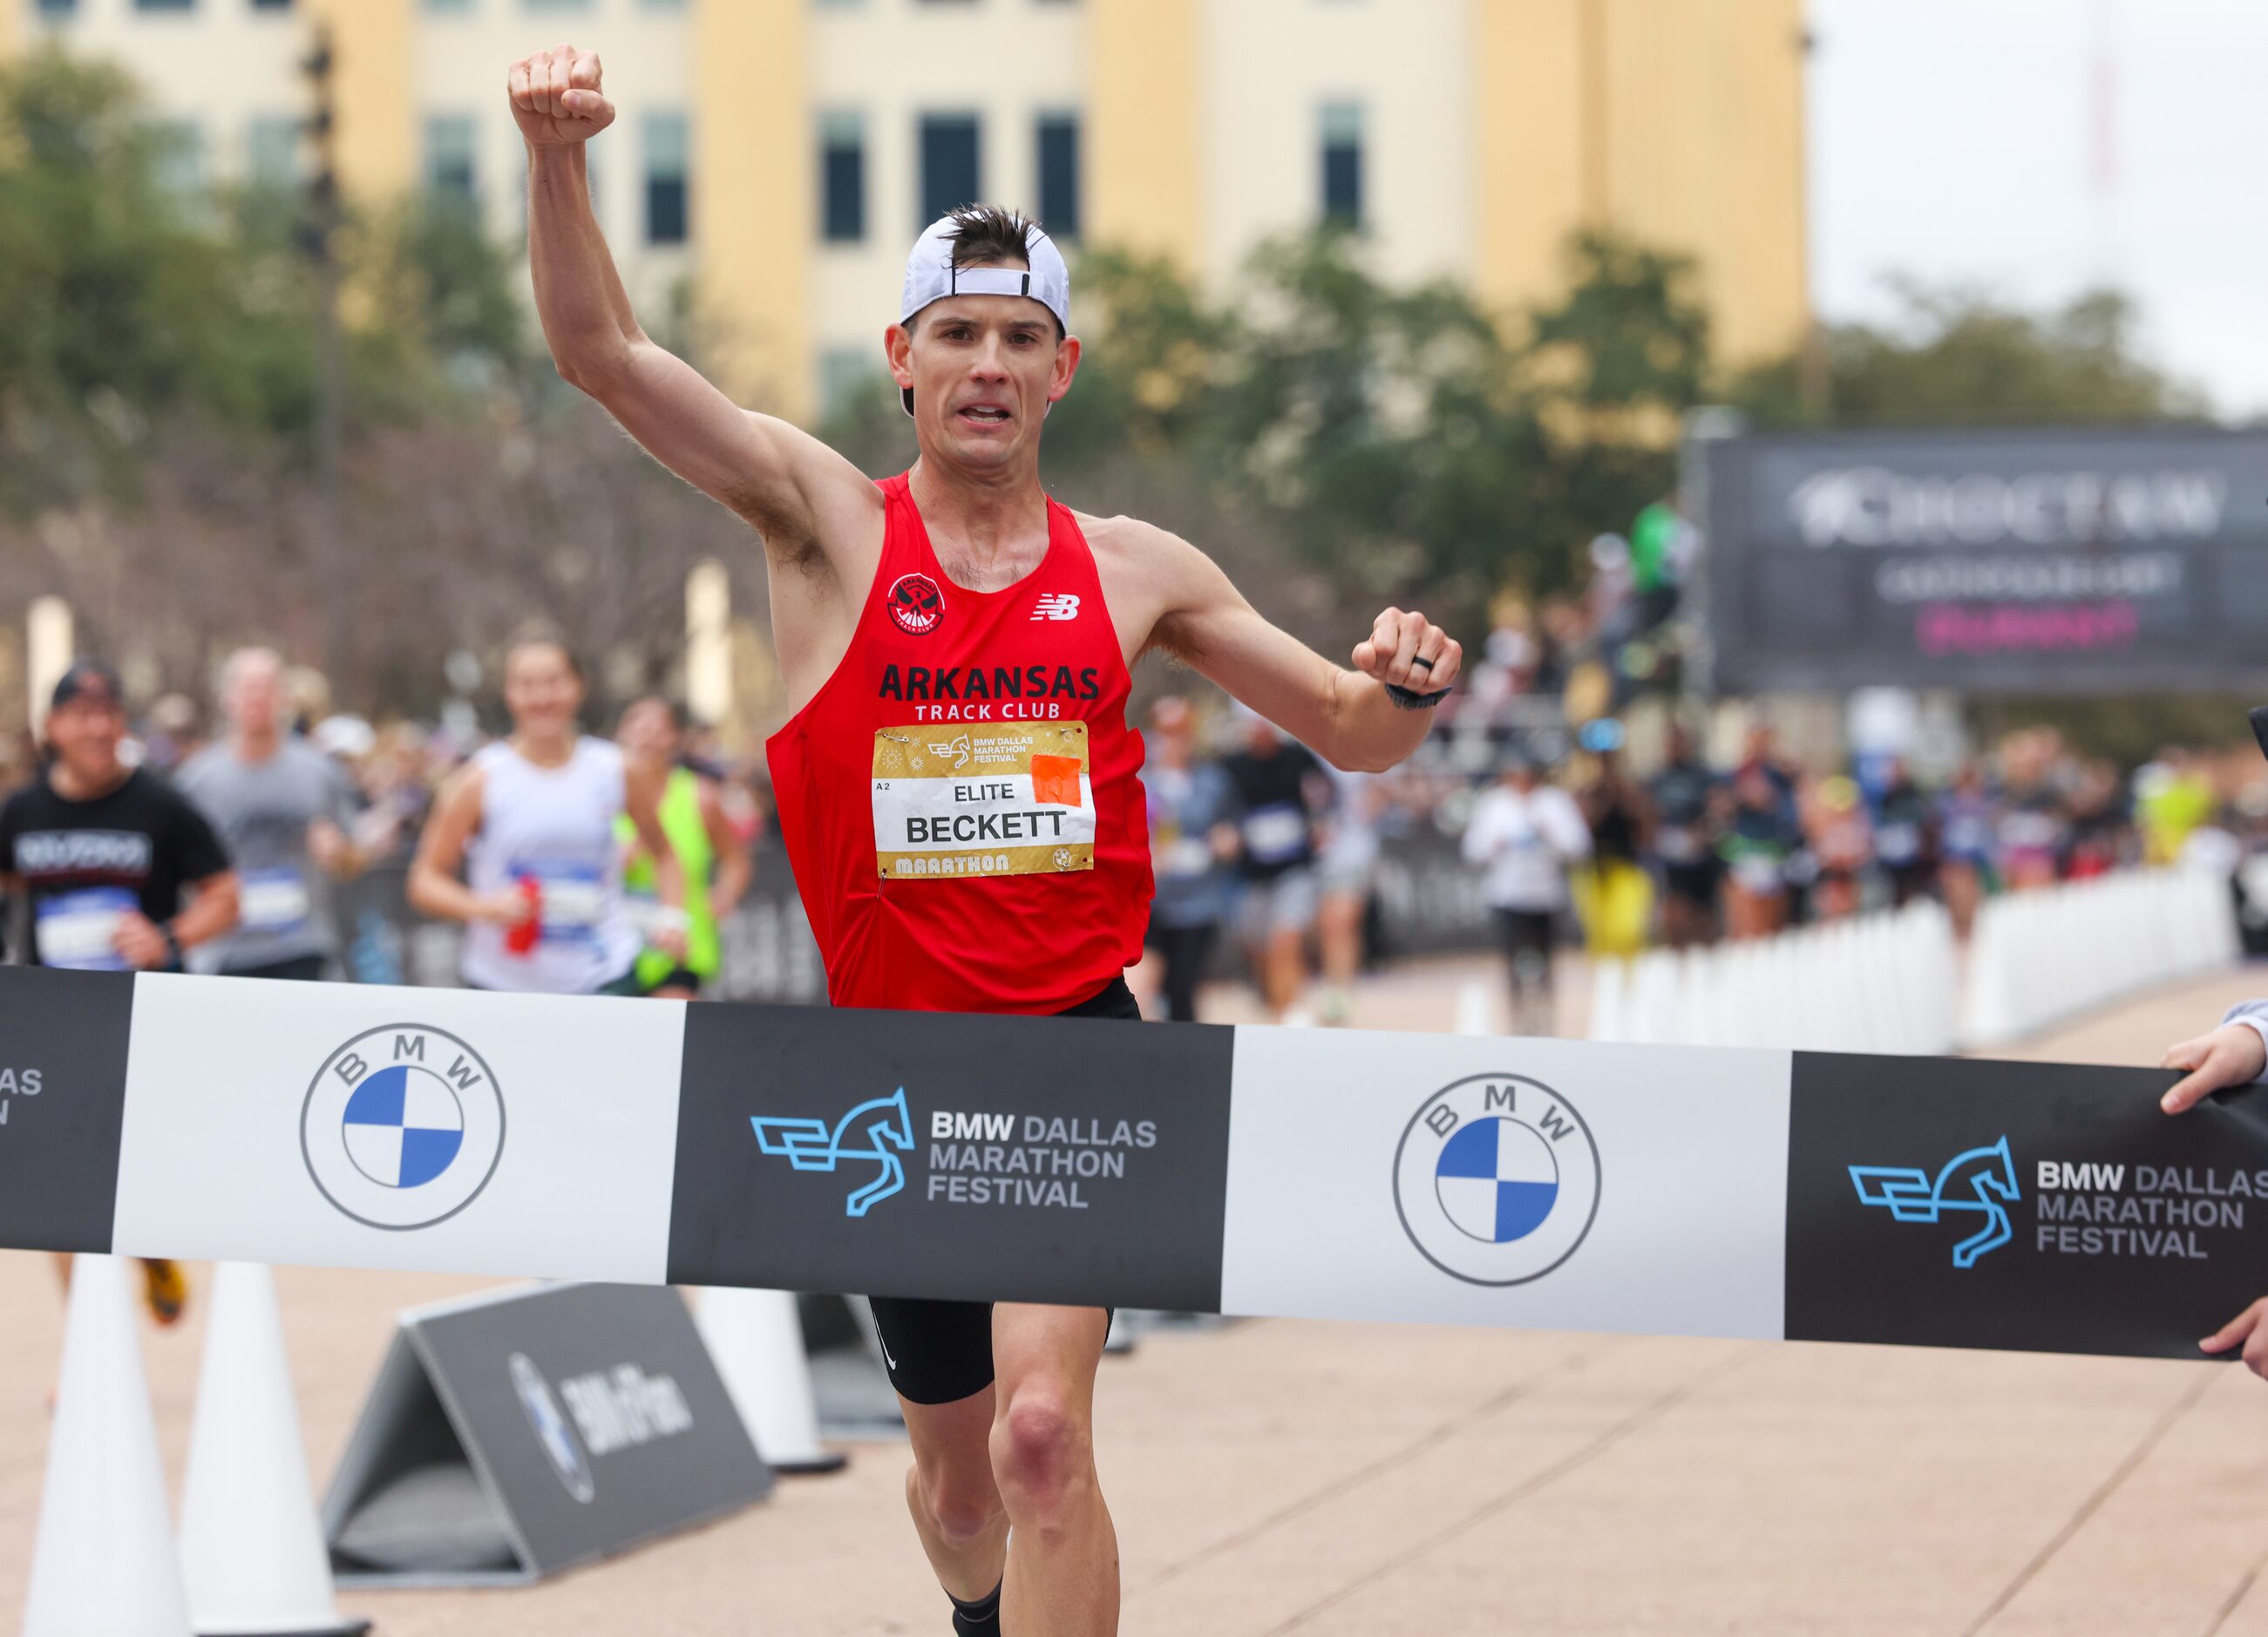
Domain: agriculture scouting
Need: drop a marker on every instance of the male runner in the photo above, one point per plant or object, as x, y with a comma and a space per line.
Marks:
284, 809
913, 618
107, 854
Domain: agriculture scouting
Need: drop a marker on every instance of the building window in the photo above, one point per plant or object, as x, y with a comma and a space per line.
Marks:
842, 177
58, 10
180, 157
455, 8
951, 166
1058, 171
271, 151
667, 203
1342, 174
449, 172
271, 5
845, 375
165, 5
558, 5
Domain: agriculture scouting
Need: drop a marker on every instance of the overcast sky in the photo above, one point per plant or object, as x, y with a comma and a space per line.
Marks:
1955, 139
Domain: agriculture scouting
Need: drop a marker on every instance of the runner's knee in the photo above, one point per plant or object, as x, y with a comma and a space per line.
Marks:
1040, 1456
961, 1505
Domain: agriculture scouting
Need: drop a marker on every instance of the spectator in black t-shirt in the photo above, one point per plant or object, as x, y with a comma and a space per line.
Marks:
104, 852
1280, 787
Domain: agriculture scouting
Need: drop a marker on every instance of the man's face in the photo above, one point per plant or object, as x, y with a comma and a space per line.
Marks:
254, 694
983, 370
85, 735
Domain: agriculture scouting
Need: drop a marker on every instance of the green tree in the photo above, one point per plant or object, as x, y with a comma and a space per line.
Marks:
1954, 357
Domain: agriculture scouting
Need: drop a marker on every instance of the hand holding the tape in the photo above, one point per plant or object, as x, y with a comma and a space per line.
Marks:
2232, 1055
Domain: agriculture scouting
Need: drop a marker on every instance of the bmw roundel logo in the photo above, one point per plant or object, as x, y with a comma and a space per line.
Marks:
560, 1444
403, 1127
1496, 1179
917, 604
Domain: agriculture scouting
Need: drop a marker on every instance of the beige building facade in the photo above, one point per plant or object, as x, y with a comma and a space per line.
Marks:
783, 153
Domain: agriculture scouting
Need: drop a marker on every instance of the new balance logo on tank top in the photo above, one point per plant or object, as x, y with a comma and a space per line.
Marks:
962, 801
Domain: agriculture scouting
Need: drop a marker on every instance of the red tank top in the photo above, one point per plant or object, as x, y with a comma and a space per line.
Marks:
962, 801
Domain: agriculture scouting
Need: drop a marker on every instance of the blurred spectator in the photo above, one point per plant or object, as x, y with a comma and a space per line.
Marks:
1348, 863
1613, 896
1280, 787
1841, 843
1193, 833
1760, 838
1523, 836
1688, 814
1905, 835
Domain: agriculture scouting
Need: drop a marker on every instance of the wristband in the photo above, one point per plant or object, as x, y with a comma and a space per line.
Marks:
172, 942
1410, 699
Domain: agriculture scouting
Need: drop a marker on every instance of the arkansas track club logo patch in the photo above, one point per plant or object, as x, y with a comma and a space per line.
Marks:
917, 604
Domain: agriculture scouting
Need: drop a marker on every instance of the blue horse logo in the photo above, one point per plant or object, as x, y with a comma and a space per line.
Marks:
809, 1146
1983, 1180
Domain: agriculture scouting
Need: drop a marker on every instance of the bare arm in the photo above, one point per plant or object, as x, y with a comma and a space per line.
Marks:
642, 789
434, 889
791, 487
1344, 716
210, 913
736, 864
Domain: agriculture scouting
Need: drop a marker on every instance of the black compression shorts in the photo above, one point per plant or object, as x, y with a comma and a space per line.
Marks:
940, 1352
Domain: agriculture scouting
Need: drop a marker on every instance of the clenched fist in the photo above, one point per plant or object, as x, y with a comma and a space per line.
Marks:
555, 96
1409, 650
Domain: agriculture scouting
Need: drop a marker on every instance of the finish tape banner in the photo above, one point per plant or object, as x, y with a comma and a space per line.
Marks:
1344, 1174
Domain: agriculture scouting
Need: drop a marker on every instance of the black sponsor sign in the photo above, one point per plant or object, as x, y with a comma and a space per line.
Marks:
2097, 560
517, 1434
1058, 1160
2029, 1206
63, 1106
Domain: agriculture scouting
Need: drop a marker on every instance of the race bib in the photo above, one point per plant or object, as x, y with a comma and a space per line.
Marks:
1274, 834
1898, 844
1187, 855
1677, 844
273, 901
571, 897
1006, 799
1758, 875
79, 930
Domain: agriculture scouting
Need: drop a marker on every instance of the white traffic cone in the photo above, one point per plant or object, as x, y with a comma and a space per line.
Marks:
102, 1560
252, 1556
757, 1343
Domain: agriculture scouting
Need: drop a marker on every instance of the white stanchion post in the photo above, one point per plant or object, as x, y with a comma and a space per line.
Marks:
757, 1343
102, 1558
1609, 999
1475, 1015
252, 1556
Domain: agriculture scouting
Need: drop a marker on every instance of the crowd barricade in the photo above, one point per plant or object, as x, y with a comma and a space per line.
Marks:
2038, 957
1876, 982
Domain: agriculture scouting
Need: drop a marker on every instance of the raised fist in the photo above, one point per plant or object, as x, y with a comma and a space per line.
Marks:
1409, 650
555, 96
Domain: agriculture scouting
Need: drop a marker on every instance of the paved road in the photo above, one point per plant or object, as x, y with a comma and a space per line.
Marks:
1341, 1479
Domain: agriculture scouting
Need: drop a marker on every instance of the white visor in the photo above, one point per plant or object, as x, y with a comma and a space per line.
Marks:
932, 276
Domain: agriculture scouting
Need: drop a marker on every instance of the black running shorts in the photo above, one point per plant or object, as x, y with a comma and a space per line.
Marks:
940, 1352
